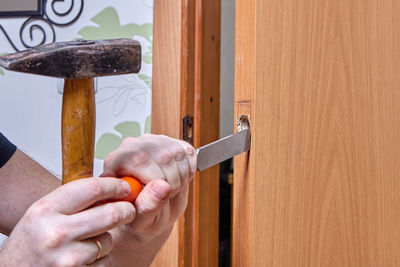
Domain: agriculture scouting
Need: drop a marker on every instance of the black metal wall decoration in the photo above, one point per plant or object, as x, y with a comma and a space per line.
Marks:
38, 28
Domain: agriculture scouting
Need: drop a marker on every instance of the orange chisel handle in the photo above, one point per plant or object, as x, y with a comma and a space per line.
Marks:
136, 188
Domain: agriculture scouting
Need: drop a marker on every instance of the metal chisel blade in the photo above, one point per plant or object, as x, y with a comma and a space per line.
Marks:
223, 149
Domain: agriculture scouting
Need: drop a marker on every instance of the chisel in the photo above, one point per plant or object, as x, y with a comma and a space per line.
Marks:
207, 156
223, 149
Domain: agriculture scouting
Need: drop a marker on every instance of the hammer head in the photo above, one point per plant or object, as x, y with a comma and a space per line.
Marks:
77, 59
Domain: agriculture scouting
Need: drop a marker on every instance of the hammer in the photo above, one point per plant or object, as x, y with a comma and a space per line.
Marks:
78, 62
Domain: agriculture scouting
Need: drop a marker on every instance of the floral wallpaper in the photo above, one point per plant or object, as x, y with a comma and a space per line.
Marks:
134, 89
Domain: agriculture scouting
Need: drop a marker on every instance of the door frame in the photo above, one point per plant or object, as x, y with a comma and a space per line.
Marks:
186, 68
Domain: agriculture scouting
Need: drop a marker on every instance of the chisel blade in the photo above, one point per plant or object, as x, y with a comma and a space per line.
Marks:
223, 149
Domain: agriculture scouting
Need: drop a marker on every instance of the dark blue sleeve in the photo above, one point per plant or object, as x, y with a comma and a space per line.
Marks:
7, 149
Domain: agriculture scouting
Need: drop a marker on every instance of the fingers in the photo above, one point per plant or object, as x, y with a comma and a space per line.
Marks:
155, 214
165, 166
163, 154
152, 157
133, 159
81, 194
179, 203
183, 154
97, 247
191, 156
149, 202
179, 156
100, 219
78, 253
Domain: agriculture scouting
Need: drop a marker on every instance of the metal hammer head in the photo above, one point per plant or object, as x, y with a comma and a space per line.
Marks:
77, 59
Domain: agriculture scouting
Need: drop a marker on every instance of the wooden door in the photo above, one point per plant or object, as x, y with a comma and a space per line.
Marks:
321, 82
186, 90
167, 94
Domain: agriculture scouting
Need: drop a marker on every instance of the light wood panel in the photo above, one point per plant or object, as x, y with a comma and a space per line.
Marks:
206, 129
166, 110
325, 160
186, 243
186, 83
243, 181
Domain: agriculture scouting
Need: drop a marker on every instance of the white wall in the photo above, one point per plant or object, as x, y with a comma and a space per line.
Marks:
227, 120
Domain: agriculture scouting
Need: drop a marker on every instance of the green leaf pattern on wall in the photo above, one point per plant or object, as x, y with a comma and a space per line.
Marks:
108, 27
1, 69
147, 125
148, 56
147, 79
108, 142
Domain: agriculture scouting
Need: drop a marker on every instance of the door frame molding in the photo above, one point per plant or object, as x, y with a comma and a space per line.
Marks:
186, 68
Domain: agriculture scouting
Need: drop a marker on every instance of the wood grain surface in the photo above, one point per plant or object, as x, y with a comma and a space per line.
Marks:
206, 129
78, 129
186, 83
166, 92
325, 159
243, 181
187, 246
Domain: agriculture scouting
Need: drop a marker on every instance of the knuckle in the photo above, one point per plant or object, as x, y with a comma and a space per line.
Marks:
190, 150
114, 215
175, 189
147, 135
139, 158
128, 140
54, 238
174, 181
94, 188
144, 209
129, 209
179, 152
164, 157
39, 209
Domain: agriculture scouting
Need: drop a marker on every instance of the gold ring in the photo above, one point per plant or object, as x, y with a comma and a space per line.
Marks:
100, 248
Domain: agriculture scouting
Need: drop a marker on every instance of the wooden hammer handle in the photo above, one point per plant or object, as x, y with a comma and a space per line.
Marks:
78, 129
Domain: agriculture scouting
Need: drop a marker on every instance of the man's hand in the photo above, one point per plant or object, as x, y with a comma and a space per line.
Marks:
165, 166
63, 227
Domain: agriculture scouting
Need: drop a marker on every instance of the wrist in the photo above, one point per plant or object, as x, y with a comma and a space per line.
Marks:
129, 239
131, 248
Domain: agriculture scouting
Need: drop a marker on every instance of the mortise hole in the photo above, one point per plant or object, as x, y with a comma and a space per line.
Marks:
243, 123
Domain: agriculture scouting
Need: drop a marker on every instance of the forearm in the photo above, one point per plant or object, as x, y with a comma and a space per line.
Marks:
131, 250
22, 182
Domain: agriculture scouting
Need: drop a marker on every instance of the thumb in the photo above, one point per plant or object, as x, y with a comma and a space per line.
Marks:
150, 201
